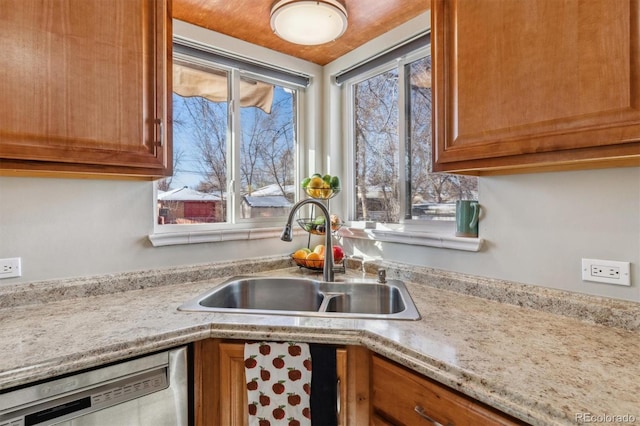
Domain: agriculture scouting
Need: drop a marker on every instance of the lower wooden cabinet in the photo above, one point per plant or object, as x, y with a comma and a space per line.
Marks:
220, 394
372, 391
402, 397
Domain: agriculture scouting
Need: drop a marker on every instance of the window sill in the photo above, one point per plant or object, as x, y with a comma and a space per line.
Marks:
416, 238
401, 236
214, 236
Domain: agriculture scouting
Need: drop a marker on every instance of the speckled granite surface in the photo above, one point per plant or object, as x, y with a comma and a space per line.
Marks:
535, 364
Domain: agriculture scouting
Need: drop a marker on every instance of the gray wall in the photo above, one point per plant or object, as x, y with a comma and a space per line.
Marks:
74, 227
538, 227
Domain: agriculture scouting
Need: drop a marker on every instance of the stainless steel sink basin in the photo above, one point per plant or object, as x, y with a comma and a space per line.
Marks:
286, 294
308, 297
367, 299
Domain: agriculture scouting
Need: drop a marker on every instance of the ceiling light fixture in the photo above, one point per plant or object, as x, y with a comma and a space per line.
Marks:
308, 22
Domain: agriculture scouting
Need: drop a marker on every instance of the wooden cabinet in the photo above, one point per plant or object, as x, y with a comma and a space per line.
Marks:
85, 87
372, 390
535, 85
220, 385
402, 397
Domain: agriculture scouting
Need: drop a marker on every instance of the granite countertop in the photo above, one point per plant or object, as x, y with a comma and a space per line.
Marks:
499, 342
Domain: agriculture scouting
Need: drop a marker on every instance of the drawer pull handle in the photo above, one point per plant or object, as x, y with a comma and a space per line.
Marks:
160, 132
418, 409
338, 397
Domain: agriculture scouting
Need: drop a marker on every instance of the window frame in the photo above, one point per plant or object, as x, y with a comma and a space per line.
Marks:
433, 233
349, 118
235, 227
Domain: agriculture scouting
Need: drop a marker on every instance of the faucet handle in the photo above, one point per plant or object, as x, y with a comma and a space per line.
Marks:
382, 276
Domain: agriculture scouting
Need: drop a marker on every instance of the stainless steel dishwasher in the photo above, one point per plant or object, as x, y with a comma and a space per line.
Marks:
151, 390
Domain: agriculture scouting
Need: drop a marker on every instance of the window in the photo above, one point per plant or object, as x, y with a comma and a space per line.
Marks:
391, 116
235, 136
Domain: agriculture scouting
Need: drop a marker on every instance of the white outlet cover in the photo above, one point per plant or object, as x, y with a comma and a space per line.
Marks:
10, 268
624, 267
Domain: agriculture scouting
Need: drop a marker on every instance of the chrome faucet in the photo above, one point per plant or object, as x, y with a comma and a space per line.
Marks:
327, 269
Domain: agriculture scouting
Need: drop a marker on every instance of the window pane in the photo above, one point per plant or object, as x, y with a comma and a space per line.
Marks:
207, 154
267, 150
376, 146
196, 193
429, 195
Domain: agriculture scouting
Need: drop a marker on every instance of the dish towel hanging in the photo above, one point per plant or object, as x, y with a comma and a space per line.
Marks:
278, 379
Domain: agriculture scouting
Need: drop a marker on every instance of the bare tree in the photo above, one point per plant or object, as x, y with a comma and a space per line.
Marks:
377, 170
377, 143
207, 123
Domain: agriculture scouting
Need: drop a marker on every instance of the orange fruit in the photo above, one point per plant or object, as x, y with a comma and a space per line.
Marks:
300, 254
313, 256
314, 260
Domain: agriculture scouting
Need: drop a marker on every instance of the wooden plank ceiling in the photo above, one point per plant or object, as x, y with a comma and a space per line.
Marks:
249, 20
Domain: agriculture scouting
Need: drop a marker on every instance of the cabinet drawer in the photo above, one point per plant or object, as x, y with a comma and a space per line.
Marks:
399, 393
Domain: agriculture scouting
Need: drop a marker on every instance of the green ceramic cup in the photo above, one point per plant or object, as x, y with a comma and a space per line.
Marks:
467, 215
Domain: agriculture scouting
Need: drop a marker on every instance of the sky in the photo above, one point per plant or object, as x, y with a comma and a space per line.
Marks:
188, 173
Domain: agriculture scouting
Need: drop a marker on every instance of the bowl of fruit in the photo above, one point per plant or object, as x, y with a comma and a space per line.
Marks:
321, 187
314, 259
317, 225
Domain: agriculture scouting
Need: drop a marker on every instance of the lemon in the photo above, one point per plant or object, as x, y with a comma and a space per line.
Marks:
316, 182
314, 189
326, 190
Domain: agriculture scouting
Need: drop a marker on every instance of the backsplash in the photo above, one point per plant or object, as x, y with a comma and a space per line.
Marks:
594, 309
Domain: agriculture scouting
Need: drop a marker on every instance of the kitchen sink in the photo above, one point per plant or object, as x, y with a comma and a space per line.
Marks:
367, 299
265, 294
308, 297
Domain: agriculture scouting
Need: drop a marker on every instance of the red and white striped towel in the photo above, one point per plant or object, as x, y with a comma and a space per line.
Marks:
278, 379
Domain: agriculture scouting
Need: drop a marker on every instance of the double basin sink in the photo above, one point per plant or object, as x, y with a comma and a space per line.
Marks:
308, 297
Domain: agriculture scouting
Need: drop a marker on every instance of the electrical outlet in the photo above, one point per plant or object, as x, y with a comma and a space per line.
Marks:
10, 268
606, 271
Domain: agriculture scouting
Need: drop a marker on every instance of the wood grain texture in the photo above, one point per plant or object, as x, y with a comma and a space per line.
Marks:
341, 367
358, 385
233, 385
206, 376
249, 20
220, 386
83, 83
396, 392
517, 84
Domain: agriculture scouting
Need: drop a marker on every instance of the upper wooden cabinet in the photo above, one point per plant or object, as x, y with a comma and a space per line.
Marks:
85, 86
535, 85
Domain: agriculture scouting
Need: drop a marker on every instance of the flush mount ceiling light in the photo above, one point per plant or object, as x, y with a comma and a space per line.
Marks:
308, 22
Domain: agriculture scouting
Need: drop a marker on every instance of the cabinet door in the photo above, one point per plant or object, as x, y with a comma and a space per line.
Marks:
220, 385
401, 397
536, 84
85, 86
